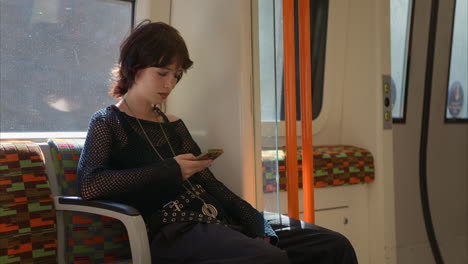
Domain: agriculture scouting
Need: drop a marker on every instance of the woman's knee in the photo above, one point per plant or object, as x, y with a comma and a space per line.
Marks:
342, 249
338, 241
276, 256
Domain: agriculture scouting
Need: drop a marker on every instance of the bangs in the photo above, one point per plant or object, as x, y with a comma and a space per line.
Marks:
172, 55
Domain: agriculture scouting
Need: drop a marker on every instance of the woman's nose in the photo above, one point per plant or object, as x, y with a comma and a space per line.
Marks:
171, 82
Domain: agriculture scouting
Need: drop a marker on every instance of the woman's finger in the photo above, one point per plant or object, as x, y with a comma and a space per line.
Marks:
201, 163
188, 156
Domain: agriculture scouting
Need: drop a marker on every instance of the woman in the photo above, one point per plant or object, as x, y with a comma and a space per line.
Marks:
137, 155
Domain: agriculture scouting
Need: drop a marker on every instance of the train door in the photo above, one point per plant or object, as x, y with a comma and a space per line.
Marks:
437, 62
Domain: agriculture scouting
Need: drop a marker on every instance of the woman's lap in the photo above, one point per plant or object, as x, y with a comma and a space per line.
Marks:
211, 243
314, 244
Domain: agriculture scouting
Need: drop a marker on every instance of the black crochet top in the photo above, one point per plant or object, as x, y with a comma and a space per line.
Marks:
117, 163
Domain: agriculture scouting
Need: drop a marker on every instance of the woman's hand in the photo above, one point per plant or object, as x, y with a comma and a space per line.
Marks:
189, 166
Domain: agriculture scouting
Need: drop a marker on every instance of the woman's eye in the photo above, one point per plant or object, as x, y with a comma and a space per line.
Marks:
162, 74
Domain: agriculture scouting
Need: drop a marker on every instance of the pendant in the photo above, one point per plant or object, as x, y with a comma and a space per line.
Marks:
156, 109
209, 210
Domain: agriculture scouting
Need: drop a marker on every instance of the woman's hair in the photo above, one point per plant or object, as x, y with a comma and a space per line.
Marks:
150, 44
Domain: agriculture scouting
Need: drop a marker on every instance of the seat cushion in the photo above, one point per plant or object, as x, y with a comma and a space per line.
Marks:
27, 215
333, 166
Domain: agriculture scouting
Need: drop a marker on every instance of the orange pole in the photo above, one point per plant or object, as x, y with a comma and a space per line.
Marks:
306, 111
290, 108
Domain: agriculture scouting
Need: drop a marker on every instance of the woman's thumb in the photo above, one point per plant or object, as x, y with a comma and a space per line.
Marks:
188, 156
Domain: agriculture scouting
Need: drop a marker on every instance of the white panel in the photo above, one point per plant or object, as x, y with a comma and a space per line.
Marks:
367, 58
336, 220
156, 10
214, 97
332, 205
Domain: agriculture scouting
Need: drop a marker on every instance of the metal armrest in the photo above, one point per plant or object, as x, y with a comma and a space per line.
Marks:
128, 215
112, 206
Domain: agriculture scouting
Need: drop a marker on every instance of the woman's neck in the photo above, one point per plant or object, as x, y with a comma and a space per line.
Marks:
138, 108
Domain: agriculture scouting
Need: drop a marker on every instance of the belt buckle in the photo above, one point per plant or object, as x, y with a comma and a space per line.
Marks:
174, 205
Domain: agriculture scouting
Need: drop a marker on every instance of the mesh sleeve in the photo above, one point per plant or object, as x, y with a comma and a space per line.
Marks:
97, 180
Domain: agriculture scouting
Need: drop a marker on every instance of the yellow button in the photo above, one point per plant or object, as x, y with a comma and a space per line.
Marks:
386, 88
387, 116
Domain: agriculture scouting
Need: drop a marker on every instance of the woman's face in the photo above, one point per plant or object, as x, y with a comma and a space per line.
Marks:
155, 84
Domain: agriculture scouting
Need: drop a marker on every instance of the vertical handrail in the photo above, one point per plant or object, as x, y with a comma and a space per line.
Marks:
290, 109
306, 110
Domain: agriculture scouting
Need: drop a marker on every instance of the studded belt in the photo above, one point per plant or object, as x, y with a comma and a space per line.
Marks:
175, 212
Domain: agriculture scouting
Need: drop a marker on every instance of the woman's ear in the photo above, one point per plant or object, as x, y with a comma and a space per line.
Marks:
138, 75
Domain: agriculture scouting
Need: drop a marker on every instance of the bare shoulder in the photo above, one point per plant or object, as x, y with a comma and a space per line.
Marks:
172, 117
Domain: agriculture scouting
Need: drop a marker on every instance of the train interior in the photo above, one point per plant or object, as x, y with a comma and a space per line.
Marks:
389, 103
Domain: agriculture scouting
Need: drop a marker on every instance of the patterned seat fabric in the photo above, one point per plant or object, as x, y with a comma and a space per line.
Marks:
27, 215
333, 166
91, 238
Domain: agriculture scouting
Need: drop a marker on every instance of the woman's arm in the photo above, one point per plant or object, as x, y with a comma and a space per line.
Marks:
97, 180
238, 208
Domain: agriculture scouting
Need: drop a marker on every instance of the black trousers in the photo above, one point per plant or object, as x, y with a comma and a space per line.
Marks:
211, 243
314, 244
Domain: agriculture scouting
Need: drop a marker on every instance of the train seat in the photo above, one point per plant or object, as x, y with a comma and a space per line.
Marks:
334, 165
90, 231
43, 219
27, 215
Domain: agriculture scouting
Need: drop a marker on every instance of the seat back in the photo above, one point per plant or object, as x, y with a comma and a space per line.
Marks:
90, 238
27, 215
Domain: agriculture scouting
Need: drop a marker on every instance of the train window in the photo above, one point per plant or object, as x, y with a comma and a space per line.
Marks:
56, 60
271, 57
457, 94
400, 14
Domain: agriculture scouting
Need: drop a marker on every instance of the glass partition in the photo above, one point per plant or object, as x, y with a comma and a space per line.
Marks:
270, 42
400, 24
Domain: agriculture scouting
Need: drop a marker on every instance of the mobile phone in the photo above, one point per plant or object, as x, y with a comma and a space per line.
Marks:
212, 154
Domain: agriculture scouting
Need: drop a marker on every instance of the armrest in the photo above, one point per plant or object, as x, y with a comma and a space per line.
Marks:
128, 215
108, 205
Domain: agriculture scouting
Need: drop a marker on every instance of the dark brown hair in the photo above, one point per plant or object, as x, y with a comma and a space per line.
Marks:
150, 44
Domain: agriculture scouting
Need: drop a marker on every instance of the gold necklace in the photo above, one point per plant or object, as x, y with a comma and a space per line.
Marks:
207, 209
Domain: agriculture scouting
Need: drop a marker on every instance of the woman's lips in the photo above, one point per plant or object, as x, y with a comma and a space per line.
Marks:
164, 95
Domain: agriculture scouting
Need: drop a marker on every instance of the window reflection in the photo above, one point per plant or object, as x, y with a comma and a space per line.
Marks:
400, 17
